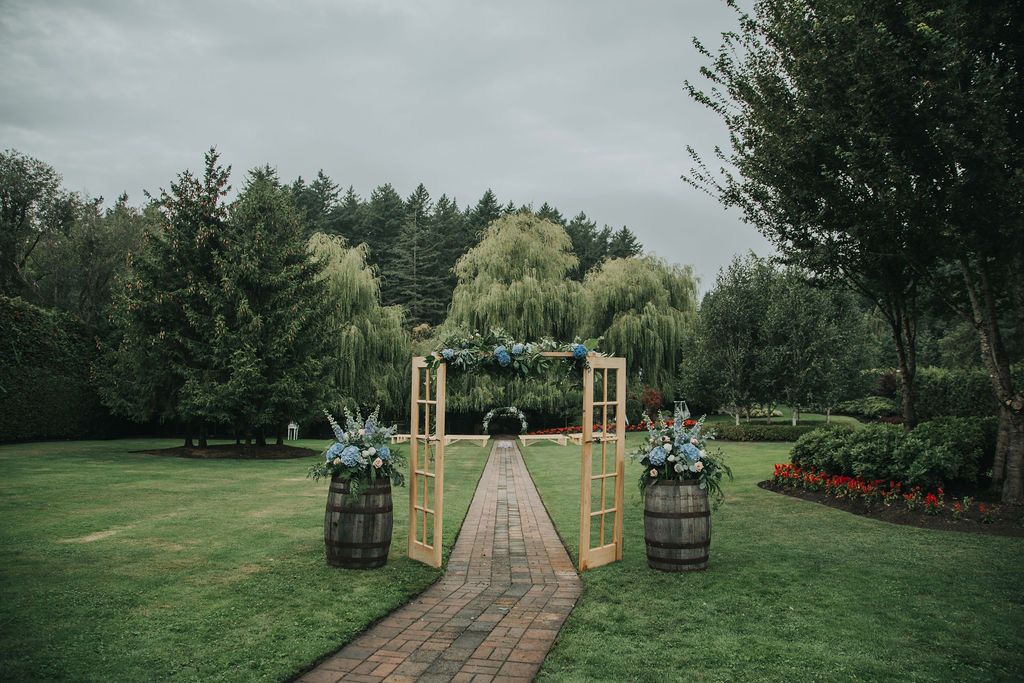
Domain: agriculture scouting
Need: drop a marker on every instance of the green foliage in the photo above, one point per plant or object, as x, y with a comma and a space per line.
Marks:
760, 432
368, 348
870, 406
33, 208
644, 308
271, 327
45, 390
934, 454
515, 280
960, 393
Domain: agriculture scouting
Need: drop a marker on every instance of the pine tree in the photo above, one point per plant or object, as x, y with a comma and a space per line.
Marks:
416, 279
160, 359
272, 324
588, 243
623, 244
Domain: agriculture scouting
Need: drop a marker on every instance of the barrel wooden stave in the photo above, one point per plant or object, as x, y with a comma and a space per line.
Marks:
357, 530
677, 526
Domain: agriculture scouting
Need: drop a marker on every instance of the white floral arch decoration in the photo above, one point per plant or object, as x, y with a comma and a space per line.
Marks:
511, 411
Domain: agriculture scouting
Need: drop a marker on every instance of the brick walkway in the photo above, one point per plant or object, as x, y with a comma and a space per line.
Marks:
496, 611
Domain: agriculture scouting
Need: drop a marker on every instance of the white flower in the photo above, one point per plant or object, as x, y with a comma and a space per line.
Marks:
667, 447
362, 432
694, 441
703, 454
679, 467
371, 451
366, 453
671, 458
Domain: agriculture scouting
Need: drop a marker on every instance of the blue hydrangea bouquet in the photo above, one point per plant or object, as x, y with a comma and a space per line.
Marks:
673, 452
362, 452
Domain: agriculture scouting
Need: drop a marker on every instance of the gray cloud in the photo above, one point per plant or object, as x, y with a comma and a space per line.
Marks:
579, 104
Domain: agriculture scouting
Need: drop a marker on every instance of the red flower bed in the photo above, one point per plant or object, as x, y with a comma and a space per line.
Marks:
892, 502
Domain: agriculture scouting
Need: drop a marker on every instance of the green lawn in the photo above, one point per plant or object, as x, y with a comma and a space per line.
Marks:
122, 566
794, 591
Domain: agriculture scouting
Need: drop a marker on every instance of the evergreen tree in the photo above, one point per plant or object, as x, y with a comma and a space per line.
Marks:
486, 211
623, 244
316, 202
588, 243
416, 278
272, 324
385, 218
549, 213
348, 218
161, 356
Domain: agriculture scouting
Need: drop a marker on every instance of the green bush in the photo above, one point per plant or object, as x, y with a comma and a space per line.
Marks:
44, 377
959, 393
760, 432
938, 453
869, 406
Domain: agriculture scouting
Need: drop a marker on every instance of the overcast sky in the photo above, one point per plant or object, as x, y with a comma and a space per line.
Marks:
577, 103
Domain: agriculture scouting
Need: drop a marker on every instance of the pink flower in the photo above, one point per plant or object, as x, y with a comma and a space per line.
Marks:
378, 462
362, 432
336, 461
698, 466
654, 472
695, 442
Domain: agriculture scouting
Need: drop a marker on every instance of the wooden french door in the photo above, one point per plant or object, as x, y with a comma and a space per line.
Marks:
426, 463
603, 461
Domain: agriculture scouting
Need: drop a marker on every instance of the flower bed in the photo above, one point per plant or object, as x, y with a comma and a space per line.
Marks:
894, 502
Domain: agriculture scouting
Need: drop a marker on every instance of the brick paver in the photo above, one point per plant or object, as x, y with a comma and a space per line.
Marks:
496, 611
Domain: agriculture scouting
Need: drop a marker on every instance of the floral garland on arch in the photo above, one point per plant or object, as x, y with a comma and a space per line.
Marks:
511, 411
498, 351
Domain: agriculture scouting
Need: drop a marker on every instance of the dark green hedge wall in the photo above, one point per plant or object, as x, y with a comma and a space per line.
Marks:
44, 376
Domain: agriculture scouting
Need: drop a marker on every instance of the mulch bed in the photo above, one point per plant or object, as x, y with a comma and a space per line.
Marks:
1007, 520
236, 452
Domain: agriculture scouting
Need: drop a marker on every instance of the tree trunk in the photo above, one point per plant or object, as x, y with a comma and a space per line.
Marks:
189, 426
261, 437
828, 415
280, 436
1008, 468
202, 434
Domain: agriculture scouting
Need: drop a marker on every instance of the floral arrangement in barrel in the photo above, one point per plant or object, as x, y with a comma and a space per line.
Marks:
673, 452
362, 452
497, 350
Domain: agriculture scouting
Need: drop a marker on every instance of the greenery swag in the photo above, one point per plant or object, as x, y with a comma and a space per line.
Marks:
511, 411
497, 350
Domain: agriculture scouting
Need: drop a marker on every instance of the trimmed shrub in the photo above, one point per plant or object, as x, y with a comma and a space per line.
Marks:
869, 406
959, 393
937, 453
760, 432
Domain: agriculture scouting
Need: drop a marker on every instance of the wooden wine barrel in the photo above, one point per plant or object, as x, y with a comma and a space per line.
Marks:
677, 526
357, 530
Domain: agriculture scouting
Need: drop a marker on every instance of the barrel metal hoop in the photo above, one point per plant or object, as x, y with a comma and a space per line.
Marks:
678, 546
679, 560
341, 544
677, 515
371, 511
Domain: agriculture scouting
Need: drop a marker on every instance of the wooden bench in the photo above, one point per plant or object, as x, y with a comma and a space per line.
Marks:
478, 439
527, 439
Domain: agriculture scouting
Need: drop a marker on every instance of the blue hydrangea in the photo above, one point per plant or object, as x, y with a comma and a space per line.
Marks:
448, 354
579, 351
370, 427
334, 450
384, 452
501, 353
691, 452
350, 456
657, 456
517, 349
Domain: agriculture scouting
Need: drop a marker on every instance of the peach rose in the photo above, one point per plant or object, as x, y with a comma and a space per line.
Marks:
654, 473
698, 466
378, 462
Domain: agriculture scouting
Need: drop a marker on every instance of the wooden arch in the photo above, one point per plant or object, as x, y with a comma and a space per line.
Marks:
602, 460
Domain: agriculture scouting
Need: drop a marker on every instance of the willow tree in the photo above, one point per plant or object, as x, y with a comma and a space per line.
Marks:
643, 308
516, 279
370, 348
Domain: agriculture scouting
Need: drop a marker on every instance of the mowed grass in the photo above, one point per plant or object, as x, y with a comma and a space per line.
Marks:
794, 591
123, 566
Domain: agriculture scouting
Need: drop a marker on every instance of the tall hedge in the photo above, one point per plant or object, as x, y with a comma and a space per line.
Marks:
44, 376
